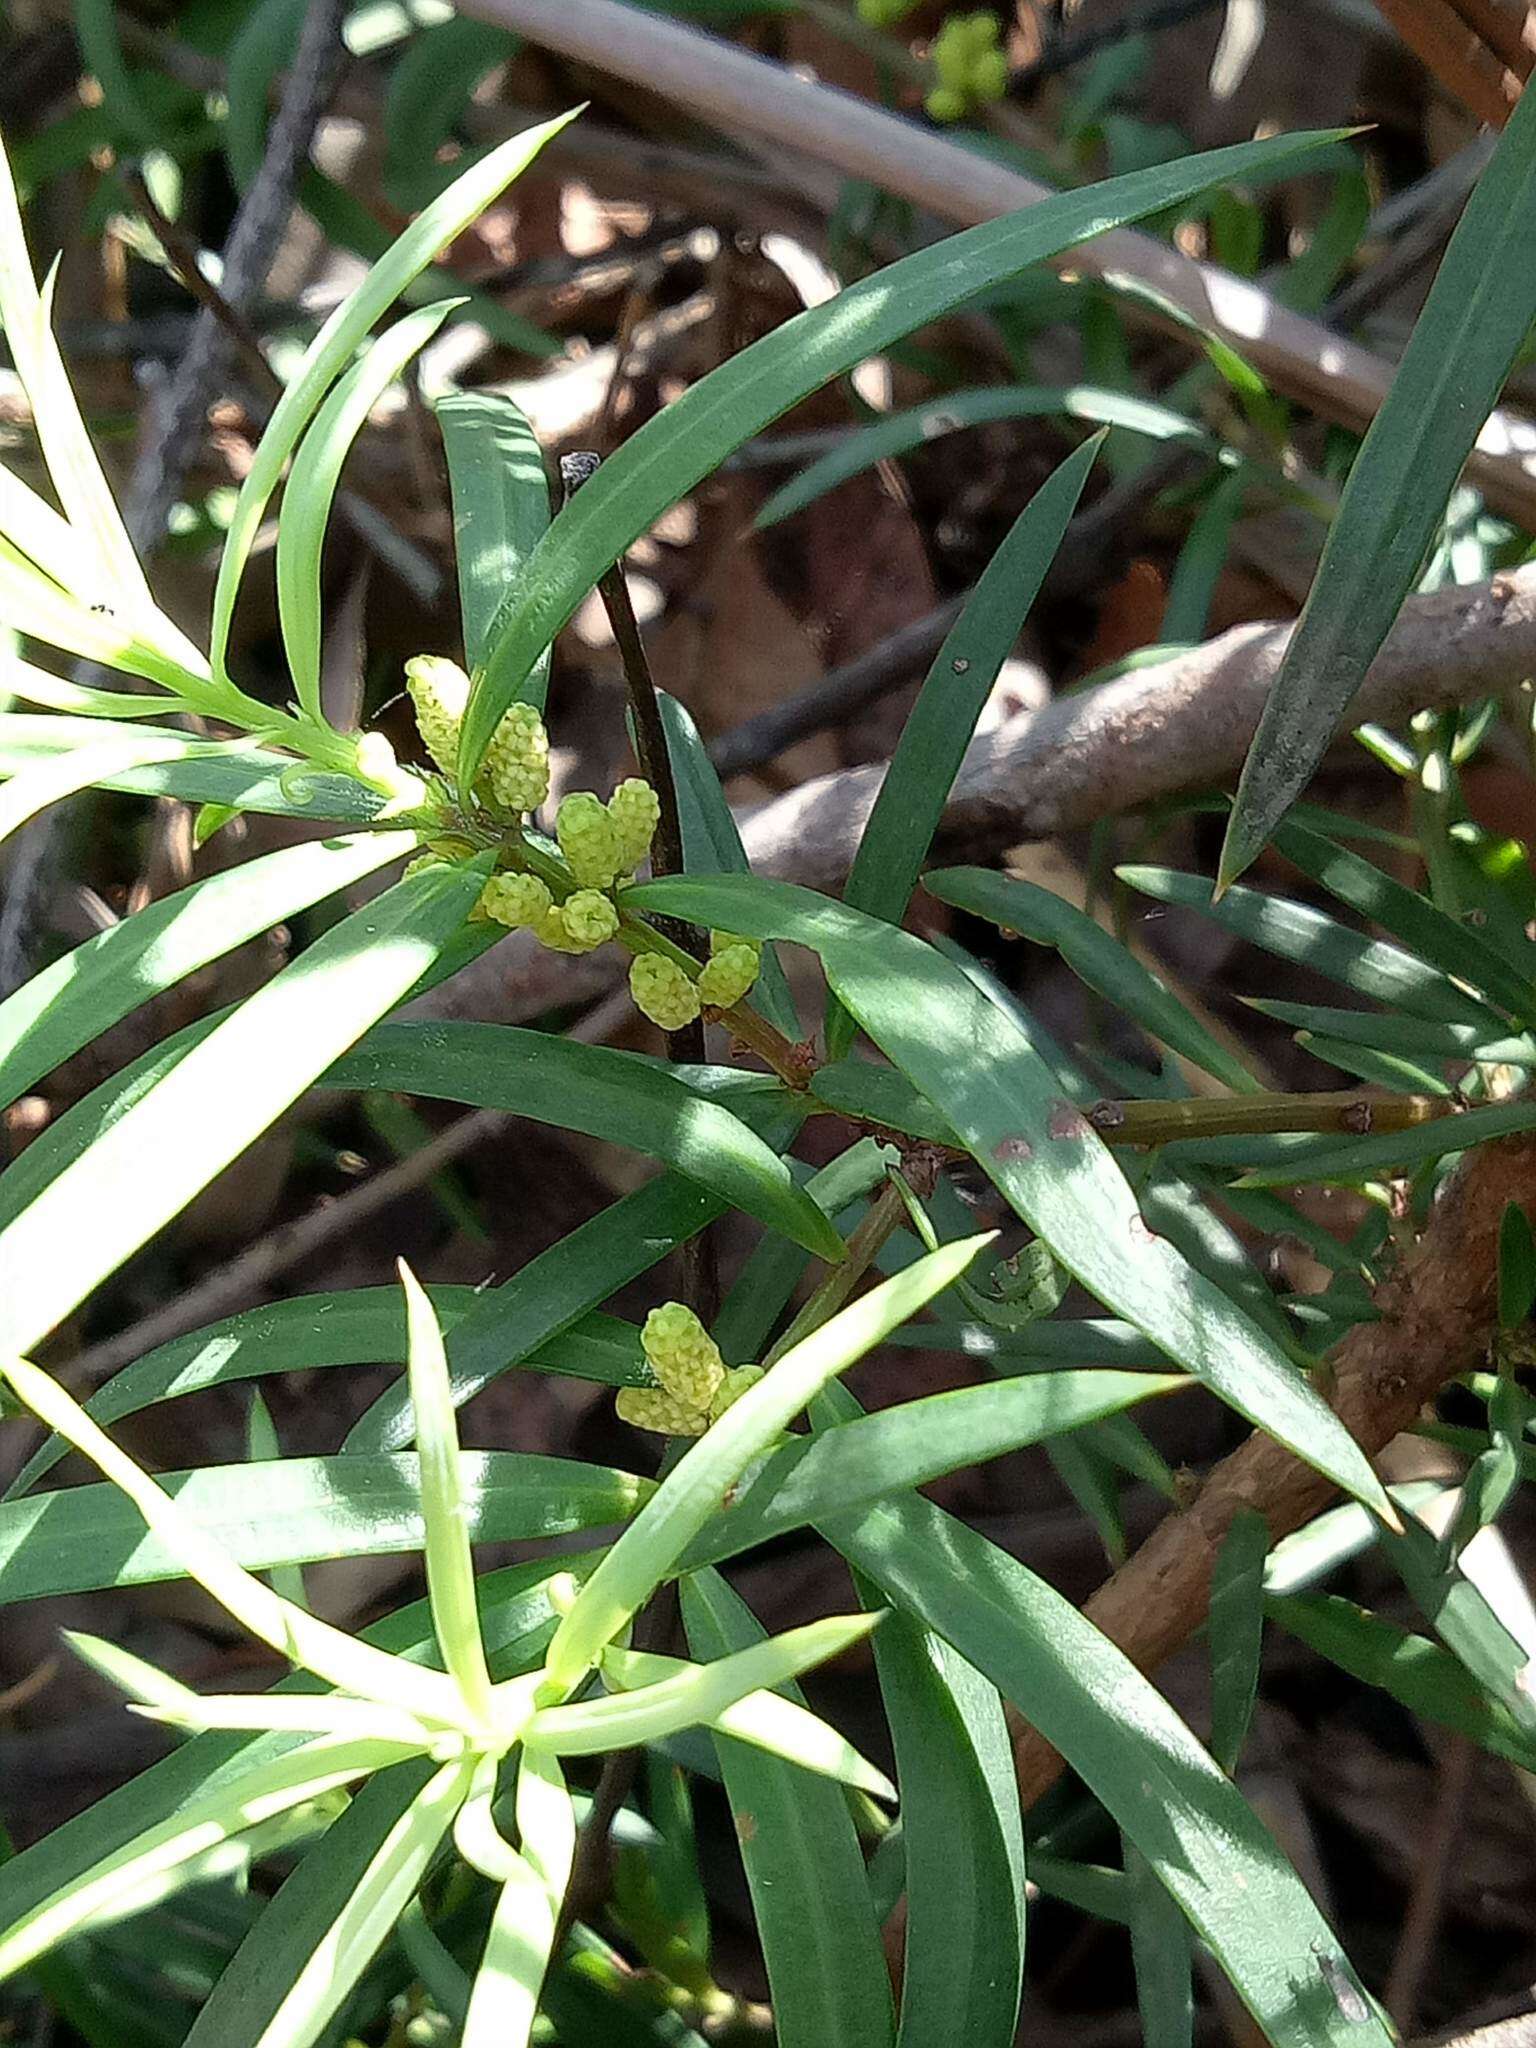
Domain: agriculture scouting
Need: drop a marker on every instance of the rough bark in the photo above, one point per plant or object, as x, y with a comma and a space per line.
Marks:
1438, 1312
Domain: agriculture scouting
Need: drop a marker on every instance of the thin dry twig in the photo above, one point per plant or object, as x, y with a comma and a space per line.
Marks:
1499, 30
1455, 56
744, 94
1079, 566
1436, 1317
176, 420
1181, 724
1426, 1901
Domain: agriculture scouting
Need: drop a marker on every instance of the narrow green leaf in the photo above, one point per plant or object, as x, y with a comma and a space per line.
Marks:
963, 1959
692, 1491
51, 781
1382, 1069
898, 433
712, 844
1517, 1268
1419, 1674
1295, 931
203, 1820
218, 1098
1414, 1036
1196, 1830
1182, 1211
308, 1332
1163, 1956
102, 49
1459, 1612
1456, 948
1092, 1888
598, 1091
1202, 559
1236, 1629
1477, 315
1094, 1483
428, 93
86, 991
296, 1921
311, 490
1071, 1340
262, 1446
765, 1719
826, 1973
977, 1066
1392, 1152
670, 1866
1095, 958
1495, 1473
941, 723
913, 1443
296, 1511
500, 492
1336, 1537
202, 772
327, 355
694, 1696
669, 455
444, 1504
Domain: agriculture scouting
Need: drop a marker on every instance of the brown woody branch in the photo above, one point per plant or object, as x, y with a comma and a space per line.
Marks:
744, 95
1179, 725
1438, 1313
1183, 724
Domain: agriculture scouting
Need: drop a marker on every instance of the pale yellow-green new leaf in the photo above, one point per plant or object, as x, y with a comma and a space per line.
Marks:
505, 1997
694, 1489
360, 1929
77, 475
450, 1563
765, 1719
302, 1638
134, 1872
332, 348
694, 1696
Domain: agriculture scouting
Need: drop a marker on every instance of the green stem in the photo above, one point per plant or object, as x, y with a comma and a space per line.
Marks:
883, 1216
1350, 1114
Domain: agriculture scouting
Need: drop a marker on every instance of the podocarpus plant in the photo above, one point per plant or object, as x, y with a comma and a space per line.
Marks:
417, 1773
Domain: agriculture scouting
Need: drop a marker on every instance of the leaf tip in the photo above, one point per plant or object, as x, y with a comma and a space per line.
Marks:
1390, 1518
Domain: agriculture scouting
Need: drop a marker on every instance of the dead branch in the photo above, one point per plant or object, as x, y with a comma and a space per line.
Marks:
1181, 724
1438, 1313
176, 431
745, 94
